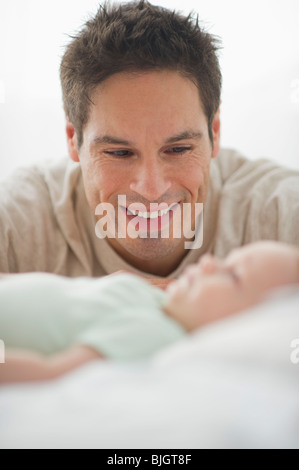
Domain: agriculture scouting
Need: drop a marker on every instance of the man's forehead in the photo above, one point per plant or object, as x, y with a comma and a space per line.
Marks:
151, 89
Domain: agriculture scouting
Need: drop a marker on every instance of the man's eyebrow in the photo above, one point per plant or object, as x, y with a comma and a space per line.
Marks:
108, 139
184, 136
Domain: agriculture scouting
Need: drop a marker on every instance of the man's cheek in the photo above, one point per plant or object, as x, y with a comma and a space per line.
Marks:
93, 182
93, 192
197, 182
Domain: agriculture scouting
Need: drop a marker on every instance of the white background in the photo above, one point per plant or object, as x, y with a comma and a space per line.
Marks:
259, 61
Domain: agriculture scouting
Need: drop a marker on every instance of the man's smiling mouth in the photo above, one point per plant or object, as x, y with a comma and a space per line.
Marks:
151, 220
150, 214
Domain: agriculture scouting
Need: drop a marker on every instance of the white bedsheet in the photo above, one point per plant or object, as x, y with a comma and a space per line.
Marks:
230, 385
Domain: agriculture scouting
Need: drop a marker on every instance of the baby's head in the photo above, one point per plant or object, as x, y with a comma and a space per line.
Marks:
214, 288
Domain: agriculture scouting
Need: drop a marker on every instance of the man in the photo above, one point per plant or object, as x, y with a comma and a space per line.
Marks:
141, 89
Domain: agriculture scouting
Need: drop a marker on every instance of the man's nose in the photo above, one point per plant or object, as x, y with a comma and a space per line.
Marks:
150, 178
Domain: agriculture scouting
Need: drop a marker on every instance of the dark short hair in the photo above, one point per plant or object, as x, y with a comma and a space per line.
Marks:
138, 36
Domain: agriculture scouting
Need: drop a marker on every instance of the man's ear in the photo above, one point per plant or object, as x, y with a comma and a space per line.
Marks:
216, 133
72, 142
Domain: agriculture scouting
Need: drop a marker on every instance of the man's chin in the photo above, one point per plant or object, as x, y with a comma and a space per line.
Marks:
147, 249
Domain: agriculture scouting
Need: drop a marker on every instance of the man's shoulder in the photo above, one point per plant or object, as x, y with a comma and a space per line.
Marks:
37, 183
37, 218
235, 171
257, 200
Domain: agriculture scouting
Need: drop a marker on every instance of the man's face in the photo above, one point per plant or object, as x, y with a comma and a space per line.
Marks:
147, 138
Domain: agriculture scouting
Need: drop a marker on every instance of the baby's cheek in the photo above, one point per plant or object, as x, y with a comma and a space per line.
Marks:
175, 304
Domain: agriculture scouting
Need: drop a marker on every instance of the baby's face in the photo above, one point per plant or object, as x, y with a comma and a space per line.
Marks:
215, 288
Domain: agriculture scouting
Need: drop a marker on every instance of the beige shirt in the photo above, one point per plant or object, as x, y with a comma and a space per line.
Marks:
46, 224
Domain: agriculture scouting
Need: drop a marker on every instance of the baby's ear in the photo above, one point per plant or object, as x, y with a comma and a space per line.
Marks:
208, 263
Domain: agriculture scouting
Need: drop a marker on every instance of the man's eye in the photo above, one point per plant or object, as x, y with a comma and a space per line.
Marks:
178, 149
120, 153
127, 153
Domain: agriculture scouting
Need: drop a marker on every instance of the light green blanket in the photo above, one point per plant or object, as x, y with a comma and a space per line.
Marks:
120, 316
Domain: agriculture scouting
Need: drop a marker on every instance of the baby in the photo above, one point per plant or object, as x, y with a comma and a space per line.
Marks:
73, 321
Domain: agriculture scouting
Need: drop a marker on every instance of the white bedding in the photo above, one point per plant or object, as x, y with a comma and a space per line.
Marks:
230, 385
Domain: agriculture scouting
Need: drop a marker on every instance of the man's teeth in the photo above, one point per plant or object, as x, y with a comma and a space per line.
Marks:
149, 215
